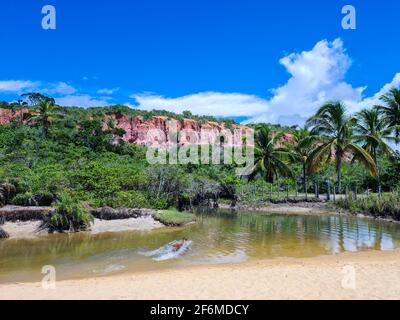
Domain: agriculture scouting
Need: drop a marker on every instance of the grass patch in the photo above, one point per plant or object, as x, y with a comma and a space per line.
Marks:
385, 206
174, 218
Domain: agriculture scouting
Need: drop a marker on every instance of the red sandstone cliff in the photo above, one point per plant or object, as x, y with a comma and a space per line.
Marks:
137, 130
7, 115
163, 129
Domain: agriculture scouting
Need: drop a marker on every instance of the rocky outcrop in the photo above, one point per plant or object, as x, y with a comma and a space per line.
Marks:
163, 129
108, 213
169, 131
17, 213
8, 115
3, 234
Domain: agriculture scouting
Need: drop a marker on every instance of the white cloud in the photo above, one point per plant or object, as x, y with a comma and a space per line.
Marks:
59, 88
17, 85
316, 76
107, 91
81, 101
211, 103
355, 106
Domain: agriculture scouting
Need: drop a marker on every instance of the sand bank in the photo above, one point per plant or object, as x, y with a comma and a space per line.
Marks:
377, 277
30, 229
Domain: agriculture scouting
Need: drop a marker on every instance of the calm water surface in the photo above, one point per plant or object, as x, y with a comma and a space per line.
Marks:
219, 237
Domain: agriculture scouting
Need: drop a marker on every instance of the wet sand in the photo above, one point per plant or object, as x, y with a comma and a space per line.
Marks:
377, 276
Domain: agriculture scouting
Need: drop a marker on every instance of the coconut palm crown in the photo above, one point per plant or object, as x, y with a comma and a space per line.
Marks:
335, 127
269, 155
391, 110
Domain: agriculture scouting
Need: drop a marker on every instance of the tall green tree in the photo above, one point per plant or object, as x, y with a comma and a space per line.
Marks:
44, 115
301, 149
391, 110
269, 155
374, 133
336, 129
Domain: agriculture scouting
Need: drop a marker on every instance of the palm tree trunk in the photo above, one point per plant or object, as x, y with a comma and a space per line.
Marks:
304, 177
377, 168
339, 172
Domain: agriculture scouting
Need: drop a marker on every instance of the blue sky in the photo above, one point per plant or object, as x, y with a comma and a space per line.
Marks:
257, 60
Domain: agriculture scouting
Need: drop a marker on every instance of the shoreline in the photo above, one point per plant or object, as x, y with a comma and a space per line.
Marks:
304, 208
377, 277
29, 229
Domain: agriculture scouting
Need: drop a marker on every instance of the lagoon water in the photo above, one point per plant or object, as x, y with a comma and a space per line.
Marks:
217, 237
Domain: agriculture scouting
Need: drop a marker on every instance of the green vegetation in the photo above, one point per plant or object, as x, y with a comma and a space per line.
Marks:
386, 205
336, 130
70, 216
174, 218
268, 155
69, 156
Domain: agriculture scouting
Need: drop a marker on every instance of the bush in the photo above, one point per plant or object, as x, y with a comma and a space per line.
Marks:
70, 216
125, 199
386, 205
29, 199
24, 199
161, 203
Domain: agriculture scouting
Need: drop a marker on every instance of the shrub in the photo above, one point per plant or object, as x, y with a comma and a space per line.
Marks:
160, 203
386, 205
29, 199
125, 199
24, 199
70, 216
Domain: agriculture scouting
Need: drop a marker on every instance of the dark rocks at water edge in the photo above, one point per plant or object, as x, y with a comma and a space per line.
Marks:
17, 213
3, 234
108, 213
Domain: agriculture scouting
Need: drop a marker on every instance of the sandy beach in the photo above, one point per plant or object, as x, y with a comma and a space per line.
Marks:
377, 276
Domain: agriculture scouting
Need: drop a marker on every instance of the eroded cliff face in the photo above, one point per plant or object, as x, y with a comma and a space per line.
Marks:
169, 131
7, 115
164, 130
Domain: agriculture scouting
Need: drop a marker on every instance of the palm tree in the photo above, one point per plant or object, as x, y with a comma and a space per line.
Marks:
300, 150
44, 115
338, 140
373, 133
269, 155
391, 110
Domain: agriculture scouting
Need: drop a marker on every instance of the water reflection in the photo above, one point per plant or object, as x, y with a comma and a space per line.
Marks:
218, 237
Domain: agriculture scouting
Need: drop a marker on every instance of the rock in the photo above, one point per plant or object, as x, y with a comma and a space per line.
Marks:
3, 234
18, 213
8, 115
7, 192
108, 213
